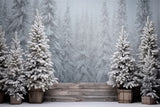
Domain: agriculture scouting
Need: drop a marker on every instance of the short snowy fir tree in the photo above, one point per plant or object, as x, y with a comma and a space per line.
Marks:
14, 85
3, 58
38, 64
148, 43
123, 65
149, 73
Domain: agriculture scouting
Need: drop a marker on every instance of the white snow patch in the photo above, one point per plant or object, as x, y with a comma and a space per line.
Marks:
79, 104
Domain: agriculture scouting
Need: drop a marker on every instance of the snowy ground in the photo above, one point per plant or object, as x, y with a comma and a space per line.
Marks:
79, 104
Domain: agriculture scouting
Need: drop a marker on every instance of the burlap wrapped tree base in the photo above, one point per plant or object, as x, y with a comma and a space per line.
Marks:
148, 100
124, 96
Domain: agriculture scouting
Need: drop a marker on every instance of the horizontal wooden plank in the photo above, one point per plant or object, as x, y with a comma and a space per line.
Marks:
86, 92
81, 85
73, 92
80, 98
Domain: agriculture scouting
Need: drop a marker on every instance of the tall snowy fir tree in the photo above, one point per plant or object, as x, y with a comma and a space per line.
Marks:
148, 43
39, 67
3, 58
18, 21
142, 11
105, 42
123, 65
15, 83
149, 74
67, 47
50, 22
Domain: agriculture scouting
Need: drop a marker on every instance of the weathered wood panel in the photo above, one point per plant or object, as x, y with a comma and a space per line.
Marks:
81, 92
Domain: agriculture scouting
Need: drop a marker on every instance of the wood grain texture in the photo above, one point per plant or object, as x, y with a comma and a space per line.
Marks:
74, 92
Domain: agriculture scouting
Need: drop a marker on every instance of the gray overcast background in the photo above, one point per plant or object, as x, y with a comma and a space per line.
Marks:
88, 59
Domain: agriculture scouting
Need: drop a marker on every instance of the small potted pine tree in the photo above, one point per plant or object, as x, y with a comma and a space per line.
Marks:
148, 63
149, 81
123, 68
3, 63
38, 62
14, 85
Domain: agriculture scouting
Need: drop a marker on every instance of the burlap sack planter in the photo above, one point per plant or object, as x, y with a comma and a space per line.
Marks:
36, 96
148, 100
124, 96
1, 96
13, 100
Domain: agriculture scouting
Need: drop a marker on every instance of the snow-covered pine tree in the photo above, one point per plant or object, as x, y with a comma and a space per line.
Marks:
123, 64
3, 58
119, 19
105, 46
149, 74
18, 21
67, 47
143, 10
15, 83
50, 22
38, 62
148, 43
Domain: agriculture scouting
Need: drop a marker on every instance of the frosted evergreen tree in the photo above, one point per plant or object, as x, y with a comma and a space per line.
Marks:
50, 22
123, 65
18, 21
143, 10
67, 47
148, 43
105, 46
3, 58
149, 74
38, 64
15, 83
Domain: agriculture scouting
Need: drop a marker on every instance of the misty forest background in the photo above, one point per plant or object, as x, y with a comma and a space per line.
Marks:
82, 33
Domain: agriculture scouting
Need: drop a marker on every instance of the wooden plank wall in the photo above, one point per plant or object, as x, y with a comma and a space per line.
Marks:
75, 92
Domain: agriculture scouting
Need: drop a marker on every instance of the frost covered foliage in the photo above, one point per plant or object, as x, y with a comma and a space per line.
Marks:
148, 43
148, 60
14, 85
38, 64
149, 73
123, 65
3, 58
